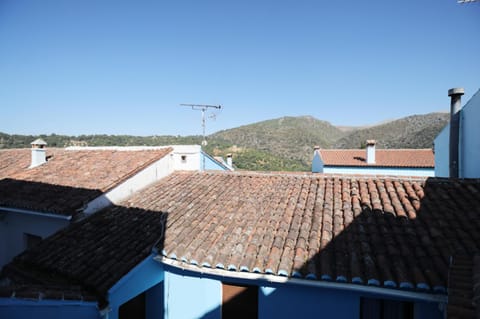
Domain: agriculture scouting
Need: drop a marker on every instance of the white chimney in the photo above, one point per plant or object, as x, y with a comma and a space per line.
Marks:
39, 155
317, 162
229, 160
371, 151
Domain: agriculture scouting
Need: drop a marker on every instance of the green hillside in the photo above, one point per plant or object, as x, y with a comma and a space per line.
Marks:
283, 144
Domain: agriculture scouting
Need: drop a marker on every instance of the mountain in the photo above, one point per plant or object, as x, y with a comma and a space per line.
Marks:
416, 131
279, 144
287, 137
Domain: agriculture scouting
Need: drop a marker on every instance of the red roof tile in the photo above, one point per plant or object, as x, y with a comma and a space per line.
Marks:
387, 232
383, 158
69, 178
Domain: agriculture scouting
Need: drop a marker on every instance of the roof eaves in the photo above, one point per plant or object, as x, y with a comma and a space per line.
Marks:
36, 213
387, 292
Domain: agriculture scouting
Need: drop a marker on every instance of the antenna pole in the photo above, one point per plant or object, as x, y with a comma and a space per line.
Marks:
203, 108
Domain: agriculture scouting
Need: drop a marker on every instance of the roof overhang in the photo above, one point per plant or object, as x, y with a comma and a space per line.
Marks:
266, 278
35, 213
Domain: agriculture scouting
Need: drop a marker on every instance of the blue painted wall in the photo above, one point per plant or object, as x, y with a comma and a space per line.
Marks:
211, 163
307, 302
147, 274
470, 141
27, 309
441, 143
428, 310
154, 302
192, 297
189, 296
317, 163
371, 170
469, 144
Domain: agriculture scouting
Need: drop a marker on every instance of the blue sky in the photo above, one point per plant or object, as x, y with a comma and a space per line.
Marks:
123, 67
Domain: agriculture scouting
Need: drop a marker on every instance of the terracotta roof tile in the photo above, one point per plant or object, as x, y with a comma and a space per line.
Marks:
387, 232
69, 179
383, 157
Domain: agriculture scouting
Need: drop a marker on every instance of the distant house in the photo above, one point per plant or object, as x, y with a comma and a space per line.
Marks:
372, 161
43, 190
467, 141
251, 245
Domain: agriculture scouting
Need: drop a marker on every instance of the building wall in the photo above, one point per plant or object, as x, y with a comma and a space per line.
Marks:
52, 309
470, 138
186, 157
13, 227
307, 302
317, 163
147, 176
192, 297
212, 164
441, 143
469, 145
145, 277
380, 171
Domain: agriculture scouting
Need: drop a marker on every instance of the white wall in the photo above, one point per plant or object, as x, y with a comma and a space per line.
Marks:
13, 226
149, 175
380, 171
192, 160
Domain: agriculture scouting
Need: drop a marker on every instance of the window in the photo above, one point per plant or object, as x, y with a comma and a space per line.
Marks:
31, 240
183, 158
239, 301
385, 309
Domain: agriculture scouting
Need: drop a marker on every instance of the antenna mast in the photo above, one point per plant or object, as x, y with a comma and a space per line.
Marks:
203, 108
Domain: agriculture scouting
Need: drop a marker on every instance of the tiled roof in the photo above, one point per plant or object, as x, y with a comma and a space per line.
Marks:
387, 232
383, 157
69, 178
464, 288
87, 258
13, 161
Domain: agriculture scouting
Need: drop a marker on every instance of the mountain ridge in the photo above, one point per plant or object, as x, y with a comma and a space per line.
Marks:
284, 143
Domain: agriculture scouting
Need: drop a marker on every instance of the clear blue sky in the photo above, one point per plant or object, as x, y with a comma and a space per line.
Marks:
123, 67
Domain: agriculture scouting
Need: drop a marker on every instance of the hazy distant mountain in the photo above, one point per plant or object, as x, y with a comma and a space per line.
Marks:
280, 144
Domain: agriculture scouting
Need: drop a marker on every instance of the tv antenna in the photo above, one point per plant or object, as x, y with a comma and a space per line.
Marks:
203, 108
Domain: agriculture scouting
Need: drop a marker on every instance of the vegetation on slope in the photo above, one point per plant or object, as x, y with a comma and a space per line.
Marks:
283, 144
416, 131
291, 138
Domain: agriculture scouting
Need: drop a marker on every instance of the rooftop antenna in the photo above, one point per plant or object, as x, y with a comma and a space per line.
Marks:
203, 108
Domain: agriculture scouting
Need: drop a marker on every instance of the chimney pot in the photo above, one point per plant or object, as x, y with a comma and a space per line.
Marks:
456, 91
371, 151
229, 160
39, 156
